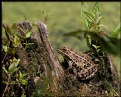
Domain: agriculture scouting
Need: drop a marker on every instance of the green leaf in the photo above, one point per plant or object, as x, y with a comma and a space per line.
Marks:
101, 25
13, 64
11, 67
95, 46
84, 6
7, 28
89, 15
109, 44
88, 40
14, 70
5, 48
99, 19
5, 70
22, 75
28, 34
73, 33
90, 24
86, 23
24, 82
23, 95
92, 15
16, 41
95, 9
116, 31
95, 6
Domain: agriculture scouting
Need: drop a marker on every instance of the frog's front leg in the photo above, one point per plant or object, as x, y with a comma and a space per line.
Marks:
67, 64
71, 67
70, 63
75, 71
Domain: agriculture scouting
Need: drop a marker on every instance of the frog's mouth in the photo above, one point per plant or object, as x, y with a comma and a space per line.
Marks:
62, 52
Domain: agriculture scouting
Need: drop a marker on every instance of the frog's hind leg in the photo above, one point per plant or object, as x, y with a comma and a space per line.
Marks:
71, 68
89, 77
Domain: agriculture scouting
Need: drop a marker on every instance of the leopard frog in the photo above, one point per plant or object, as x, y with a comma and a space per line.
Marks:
81, 64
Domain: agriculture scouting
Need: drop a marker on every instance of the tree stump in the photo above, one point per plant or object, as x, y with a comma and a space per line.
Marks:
40, 57
40, 60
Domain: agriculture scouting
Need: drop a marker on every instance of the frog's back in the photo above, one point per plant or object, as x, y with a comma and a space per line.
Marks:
85, 66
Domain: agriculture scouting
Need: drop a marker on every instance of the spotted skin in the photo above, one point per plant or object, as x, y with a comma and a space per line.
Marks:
82, 65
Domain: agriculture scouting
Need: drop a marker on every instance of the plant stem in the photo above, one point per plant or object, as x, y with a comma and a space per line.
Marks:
6, 85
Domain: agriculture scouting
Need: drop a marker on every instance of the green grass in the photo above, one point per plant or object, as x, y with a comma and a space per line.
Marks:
65, 17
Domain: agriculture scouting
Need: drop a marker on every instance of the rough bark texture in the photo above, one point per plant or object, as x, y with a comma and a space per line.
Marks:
40, 57
41, 61
56, 68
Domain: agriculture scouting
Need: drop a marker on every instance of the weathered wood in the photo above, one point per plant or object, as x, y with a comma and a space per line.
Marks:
55, 70
54, 63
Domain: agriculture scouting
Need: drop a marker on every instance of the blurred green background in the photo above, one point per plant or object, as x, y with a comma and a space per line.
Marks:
64, 17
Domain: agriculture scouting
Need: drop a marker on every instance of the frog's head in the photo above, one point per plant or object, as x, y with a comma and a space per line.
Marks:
65, 52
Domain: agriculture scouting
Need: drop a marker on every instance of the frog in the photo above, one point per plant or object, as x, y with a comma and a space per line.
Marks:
81, 63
